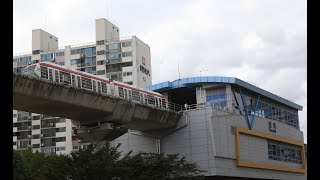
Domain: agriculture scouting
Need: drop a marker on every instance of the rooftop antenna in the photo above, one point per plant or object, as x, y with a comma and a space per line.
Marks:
178, 69
107, 8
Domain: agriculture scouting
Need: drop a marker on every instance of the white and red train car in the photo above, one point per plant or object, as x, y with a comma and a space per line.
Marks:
60, 74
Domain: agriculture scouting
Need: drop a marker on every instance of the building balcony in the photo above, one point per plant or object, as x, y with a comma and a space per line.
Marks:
19, 119
24, 128
48, 135
24, 137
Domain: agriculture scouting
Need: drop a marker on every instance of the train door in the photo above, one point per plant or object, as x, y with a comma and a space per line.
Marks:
50, 75
156, 101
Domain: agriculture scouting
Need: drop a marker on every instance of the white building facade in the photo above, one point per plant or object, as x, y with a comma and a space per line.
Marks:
127, 60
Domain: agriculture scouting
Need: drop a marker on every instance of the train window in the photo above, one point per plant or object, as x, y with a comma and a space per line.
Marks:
99, 87
145, 99
86, 83
163, 101
65, 78
79, 81
125, 93
73, 80
151, 100
50, 75
121, 93
44, 72
141, 97
94, 85
56, 74
104, 88
129, 95
135, 95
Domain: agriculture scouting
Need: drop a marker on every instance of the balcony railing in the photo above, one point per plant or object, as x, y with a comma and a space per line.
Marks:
24, 128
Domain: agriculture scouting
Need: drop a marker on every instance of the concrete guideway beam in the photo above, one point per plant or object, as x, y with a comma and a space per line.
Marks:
50, 98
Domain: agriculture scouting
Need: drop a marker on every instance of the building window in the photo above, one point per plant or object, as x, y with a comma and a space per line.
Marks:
127, 73
59, 54
100, 42
89, 51
60, 120
36, 127
60, 139
60, 63
144, 79
113, 47
100, 72
75, 147
61, 148
35, 145
74, 61
126, 54
100, 62
218, 100
126, 44
62, 129
75, 51
35, 117
281, 152
114, 57
35, 52
130, 83
36, 136
100, 52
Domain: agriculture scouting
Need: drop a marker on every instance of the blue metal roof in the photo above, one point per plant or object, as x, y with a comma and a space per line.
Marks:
164, 86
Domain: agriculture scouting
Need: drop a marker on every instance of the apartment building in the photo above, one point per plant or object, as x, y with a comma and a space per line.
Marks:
127, 60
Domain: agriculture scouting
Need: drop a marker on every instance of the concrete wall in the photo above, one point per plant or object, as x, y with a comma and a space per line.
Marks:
135, 143
105, 30
42, 40
141, 51
209, 140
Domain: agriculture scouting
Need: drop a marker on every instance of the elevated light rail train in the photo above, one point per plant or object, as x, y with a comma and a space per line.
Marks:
63, 75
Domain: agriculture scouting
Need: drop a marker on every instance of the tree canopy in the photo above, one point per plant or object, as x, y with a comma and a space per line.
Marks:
103, 163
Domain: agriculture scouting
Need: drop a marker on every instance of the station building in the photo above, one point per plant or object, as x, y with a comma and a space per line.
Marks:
230, 128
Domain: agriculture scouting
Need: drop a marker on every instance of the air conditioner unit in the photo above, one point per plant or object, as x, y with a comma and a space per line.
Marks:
28, 136
42, 144
82, 55
29, 118
41, 135
107, 51
29, 127
51, 124
107, 61
79, 140
53, 59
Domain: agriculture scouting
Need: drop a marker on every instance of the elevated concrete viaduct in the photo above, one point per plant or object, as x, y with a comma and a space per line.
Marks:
87, 107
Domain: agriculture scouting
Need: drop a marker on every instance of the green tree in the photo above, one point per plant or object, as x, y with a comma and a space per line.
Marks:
104, 163
158, 167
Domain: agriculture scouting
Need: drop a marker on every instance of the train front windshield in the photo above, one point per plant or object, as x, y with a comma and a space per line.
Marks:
29, 70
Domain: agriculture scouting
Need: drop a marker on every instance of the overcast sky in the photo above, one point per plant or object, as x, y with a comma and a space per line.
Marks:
263, 42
